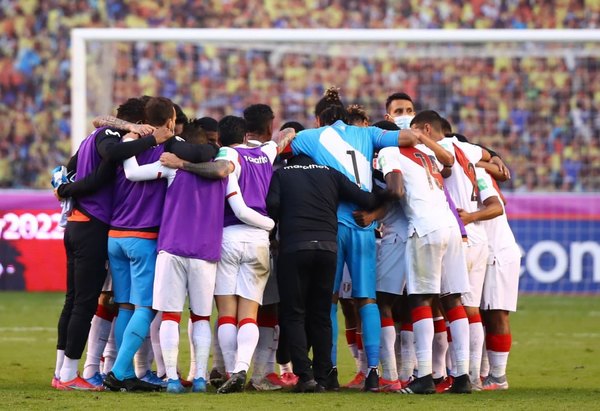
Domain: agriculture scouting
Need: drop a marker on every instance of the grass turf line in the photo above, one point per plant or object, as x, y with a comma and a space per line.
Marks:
553, 365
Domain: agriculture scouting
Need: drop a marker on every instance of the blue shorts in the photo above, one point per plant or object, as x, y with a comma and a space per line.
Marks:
356, 248
132, 261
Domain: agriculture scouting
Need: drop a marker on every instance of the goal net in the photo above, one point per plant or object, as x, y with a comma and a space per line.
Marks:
531, 95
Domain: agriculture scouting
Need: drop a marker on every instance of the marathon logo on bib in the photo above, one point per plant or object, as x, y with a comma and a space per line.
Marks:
257, 160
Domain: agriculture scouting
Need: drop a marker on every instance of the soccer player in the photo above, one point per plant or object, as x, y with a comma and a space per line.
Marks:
259, 122
349, 149
400, 109
209, 125
137, 210
500, 288
463, 190
86, 239
435, 260
244, 267
304, 197
184, 266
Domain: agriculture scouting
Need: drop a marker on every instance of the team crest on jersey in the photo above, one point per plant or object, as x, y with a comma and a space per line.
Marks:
346, 287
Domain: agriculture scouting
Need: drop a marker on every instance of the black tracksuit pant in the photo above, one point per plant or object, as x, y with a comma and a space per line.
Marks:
305, 279
86, 244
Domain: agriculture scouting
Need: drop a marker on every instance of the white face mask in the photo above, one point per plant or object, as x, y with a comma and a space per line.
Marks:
403, 122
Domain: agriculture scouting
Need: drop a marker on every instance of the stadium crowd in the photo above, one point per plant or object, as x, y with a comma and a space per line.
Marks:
541, 112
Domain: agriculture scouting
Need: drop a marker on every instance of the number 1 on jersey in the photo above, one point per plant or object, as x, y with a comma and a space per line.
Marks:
352, 155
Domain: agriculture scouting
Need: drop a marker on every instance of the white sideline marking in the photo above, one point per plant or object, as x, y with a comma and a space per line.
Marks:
26, 329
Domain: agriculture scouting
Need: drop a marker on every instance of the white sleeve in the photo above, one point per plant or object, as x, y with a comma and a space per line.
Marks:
270, 150
229, 154
485, 184
152, 171
388, 161
241, 210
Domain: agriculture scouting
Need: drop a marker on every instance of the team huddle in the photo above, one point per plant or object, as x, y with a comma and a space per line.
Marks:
401, 223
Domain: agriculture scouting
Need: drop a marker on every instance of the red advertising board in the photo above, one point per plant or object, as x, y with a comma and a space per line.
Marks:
32, 255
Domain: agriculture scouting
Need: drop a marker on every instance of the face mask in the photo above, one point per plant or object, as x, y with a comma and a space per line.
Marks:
403, 122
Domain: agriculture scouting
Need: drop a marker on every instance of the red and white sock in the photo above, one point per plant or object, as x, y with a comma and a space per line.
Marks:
485, 362
440, 347
387, 355
423, 332
498, 347
264, 354
362, 357
155, 341
459, 330
351, 340
201, 337
247, 339
228, 334
169, 343
190, 332
218, 362
407, 351
110, 351
97, 339
476, 338
450, 352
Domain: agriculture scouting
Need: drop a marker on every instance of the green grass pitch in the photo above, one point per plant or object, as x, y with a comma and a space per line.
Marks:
554, 364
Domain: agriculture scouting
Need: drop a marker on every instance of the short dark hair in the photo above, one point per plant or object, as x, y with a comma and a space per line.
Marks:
180, 117
428, 117
386, 125
293, 124
158, 111
446, 126
194, 133
332, 114
132, 110
232, 130
330, 98
208, 123
259, 117
397, 96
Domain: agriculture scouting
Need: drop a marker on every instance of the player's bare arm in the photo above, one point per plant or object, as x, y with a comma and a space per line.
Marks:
214, 170
113, 122
492, 208
494, 170
504, 171
407, 138
283, 138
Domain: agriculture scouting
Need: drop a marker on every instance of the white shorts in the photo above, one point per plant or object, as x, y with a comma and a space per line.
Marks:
107, 286
271, 294
426, 257
175, 277
477, 256
455, 277
391, 265
243, 269
501, 286
345, 292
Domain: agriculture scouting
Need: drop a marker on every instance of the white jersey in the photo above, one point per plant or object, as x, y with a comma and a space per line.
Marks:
424, 203
500, 237
461, 187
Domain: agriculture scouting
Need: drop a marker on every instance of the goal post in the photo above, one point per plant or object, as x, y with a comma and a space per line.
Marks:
81, 36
